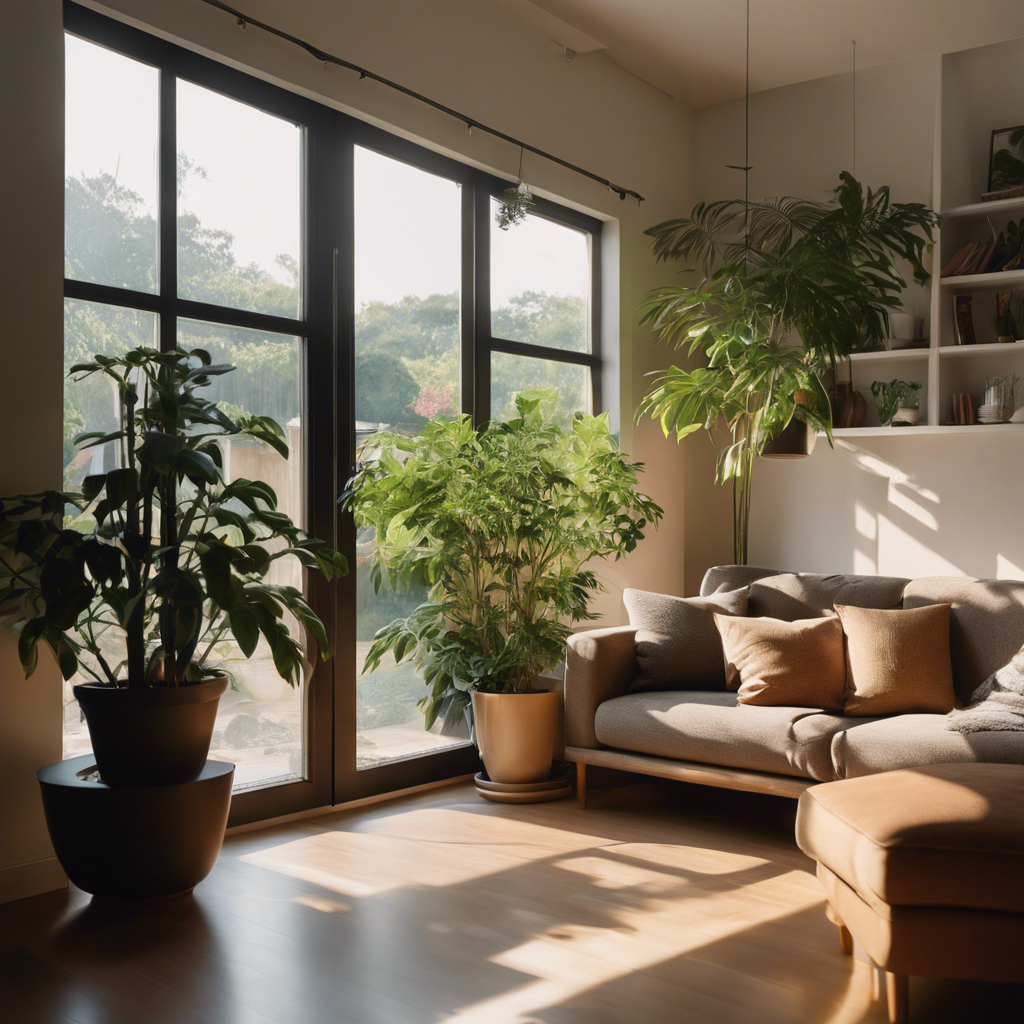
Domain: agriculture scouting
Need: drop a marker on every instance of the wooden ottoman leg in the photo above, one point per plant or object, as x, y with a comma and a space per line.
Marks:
897, 992
581, 783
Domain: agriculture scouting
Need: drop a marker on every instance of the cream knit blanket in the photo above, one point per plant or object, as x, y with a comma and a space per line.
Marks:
998, 704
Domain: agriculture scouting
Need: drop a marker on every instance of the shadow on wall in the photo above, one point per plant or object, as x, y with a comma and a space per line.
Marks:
895, 507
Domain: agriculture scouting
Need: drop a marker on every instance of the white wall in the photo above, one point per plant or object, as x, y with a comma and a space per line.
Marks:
31, 406
905, 505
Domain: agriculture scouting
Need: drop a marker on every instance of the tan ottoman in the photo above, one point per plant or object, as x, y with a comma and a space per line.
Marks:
925, 867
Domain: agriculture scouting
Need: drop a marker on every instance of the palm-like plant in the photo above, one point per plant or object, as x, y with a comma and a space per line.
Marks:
789, 287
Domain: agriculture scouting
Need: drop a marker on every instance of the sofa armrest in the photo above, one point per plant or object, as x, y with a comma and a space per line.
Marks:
599, 665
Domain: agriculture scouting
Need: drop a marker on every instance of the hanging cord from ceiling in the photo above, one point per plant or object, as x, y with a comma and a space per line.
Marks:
327, 58
854, 87
745, 168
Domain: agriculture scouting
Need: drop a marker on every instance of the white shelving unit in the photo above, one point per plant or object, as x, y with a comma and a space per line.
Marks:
974, 99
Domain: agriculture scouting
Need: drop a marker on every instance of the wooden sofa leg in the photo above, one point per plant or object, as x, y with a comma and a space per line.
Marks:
897, 992
581, 783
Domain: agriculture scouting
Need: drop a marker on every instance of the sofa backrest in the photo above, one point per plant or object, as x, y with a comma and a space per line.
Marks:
803, 595
986, 621
986, 627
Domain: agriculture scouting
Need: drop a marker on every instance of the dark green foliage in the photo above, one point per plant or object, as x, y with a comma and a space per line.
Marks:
175, 557
499, 523
386, 389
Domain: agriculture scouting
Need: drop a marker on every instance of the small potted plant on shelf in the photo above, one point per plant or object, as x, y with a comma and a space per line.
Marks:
501, 522
160, 559
897, 402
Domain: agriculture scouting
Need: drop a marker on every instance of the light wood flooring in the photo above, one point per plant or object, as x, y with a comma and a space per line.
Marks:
662, 902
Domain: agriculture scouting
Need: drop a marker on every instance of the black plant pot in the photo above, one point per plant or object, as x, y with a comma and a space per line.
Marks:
135, 842
152, 735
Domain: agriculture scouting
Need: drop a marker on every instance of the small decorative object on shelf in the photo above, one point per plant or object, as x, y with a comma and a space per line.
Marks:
898, 402
1010, 314
963, 319
1006, 164
1000, 399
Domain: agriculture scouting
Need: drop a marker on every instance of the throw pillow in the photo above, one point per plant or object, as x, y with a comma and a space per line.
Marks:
785, 664
677, 641
897, 660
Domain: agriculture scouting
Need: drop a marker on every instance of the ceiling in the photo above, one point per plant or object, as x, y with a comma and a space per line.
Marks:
693, 49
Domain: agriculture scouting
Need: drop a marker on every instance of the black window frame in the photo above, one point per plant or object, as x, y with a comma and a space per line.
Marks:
326, 325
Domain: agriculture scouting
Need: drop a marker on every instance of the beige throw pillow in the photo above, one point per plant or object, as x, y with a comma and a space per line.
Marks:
785, 664
677, 641
897, 661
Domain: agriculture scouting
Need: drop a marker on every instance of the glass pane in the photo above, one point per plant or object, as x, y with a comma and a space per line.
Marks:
407, 345
239, 204
261, 720
540, 284
91, 404
567, 386
111, 111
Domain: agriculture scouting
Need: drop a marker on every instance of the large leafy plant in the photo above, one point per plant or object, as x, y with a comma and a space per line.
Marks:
163, 558
789, 287
500, 522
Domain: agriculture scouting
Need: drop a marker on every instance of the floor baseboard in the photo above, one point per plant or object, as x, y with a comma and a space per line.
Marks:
19, 881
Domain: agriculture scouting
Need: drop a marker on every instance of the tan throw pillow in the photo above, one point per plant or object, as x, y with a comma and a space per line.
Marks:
785, 664
897, 661
677, 641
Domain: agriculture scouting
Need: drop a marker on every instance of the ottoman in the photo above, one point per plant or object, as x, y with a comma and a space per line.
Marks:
924, 867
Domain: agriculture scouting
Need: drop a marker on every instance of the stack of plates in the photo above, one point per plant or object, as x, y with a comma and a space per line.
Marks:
989, 414
554, 787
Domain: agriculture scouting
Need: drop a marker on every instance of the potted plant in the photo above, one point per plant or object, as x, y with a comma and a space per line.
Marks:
789, 288
897, 402
161, 560
501, 522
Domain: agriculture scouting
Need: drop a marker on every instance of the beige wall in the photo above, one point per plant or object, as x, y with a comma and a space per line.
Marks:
31, 283
905, 505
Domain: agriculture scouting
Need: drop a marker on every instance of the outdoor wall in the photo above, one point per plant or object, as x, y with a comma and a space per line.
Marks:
31, 405
906, 505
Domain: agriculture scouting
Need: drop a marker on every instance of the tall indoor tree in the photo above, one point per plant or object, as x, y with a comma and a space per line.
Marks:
789, 287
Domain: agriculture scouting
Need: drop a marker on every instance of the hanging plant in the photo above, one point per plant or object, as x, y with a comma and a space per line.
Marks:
515, 202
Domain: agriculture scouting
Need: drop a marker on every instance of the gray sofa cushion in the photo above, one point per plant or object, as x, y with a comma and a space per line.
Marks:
806, 595
907, 741
720, 578
678, 646
710, 728
986, 623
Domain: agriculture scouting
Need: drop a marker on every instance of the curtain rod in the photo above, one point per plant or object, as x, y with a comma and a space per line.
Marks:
470, 122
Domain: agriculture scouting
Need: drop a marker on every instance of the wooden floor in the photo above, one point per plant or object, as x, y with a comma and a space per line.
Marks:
661, 902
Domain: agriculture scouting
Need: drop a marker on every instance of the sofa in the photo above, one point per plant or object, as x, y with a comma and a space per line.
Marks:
705, 736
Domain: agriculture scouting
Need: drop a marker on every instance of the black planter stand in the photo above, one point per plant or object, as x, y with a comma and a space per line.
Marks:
135, 842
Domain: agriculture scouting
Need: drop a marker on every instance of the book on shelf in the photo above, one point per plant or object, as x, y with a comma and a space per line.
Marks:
963, 319
958, 259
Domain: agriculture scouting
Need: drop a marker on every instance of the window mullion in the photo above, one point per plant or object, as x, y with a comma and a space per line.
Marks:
482, 298
467, 312
168, 209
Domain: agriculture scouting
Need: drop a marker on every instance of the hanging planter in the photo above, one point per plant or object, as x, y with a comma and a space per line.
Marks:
515, 202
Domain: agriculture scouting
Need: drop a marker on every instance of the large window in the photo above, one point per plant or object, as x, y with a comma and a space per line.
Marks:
358, 283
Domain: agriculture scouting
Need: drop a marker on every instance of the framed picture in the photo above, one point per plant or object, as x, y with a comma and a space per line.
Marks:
1006, 159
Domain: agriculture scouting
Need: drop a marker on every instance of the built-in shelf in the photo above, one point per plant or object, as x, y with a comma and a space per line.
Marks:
1000, 279
926, 428
995, 348
979, 211
886, 354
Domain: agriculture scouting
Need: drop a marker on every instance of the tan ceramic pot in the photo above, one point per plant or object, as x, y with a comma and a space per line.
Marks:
515, 733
